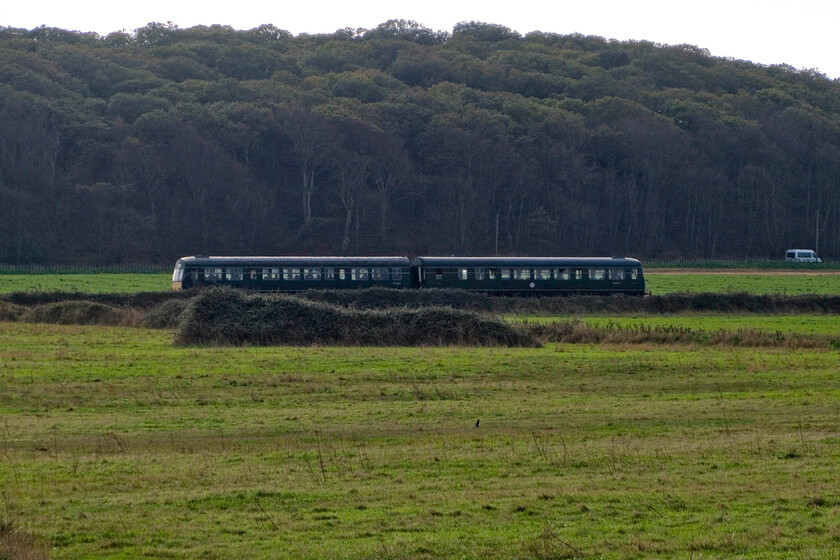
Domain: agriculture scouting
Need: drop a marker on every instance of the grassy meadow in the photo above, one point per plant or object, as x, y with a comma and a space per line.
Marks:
800, 324
114, 443
658, 282
768, 282
110, 282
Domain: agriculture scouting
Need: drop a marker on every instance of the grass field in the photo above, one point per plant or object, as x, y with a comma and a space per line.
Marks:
800, 324
86, 282
660, 283
767, 283
116, 444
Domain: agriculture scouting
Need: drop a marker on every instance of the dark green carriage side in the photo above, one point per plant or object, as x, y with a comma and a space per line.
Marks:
533, 276
292, 274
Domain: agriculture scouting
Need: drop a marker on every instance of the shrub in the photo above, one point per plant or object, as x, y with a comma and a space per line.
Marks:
77, 313
167, 315
10, 311
222, 316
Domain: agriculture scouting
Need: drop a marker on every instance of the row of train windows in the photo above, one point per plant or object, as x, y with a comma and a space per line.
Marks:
297, 274
546, 273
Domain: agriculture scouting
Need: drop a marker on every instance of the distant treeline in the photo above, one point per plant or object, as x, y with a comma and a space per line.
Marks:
164, 142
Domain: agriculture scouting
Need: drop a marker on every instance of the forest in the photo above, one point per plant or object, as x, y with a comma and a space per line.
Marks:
146, 146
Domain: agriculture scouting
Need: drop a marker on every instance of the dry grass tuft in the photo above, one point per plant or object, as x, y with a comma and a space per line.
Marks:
18, 544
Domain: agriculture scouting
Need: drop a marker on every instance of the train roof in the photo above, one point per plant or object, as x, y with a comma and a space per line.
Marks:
548, 262
244, 262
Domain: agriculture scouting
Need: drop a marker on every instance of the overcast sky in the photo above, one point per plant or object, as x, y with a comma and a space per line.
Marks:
803, 34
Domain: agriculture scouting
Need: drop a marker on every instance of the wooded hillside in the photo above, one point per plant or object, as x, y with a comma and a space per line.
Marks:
148, 146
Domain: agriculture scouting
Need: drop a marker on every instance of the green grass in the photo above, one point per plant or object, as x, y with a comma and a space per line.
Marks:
799, 324
661, 284
658, 283
86, 283
116, 444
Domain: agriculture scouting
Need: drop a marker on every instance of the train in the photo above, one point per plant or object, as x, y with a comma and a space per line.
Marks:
519, 276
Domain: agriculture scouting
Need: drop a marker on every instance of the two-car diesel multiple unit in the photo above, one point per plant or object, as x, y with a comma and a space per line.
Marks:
493, 275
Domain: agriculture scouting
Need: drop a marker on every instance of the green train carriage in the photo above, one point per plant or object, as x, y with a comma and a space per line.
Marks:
292, 274
533, 275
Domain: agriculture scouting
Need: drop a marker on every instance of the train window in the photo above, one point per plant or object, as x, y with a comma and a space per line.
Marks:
633, 273
213, 274
313, 274
294, 273
253, 274
616, 274
462, 274
544, 274
271, 274
597, 274
491, 273
380, 274
396, 274
233, 274
505, 274
578, 274
479, 274
438, 274
561, 273
178, 275
522, 274
329, 274
342, 274
359, 274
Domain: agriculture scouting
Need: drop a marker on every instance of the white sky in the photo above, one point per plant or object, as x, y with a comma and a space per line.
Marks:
802, 33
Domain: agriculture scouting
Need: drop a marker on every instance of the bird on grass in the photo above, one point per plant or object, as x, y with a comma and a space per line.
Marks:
476, 422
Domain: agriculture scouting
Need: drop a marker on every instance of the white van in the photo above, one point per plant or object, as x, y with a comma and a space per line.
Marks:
801, 255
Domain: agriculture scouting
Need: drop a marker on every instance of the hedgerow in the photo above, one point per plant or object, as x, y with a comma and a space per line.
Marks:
223, 316
77, 313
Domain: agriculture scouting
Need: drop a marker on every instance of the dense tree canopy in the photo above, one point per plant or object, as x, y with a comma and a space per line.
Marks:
147, 146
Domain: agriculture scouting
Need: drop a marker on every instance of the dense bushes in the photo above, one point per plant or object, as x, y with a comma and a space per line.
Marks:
408, 318
221, 316
78, 313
